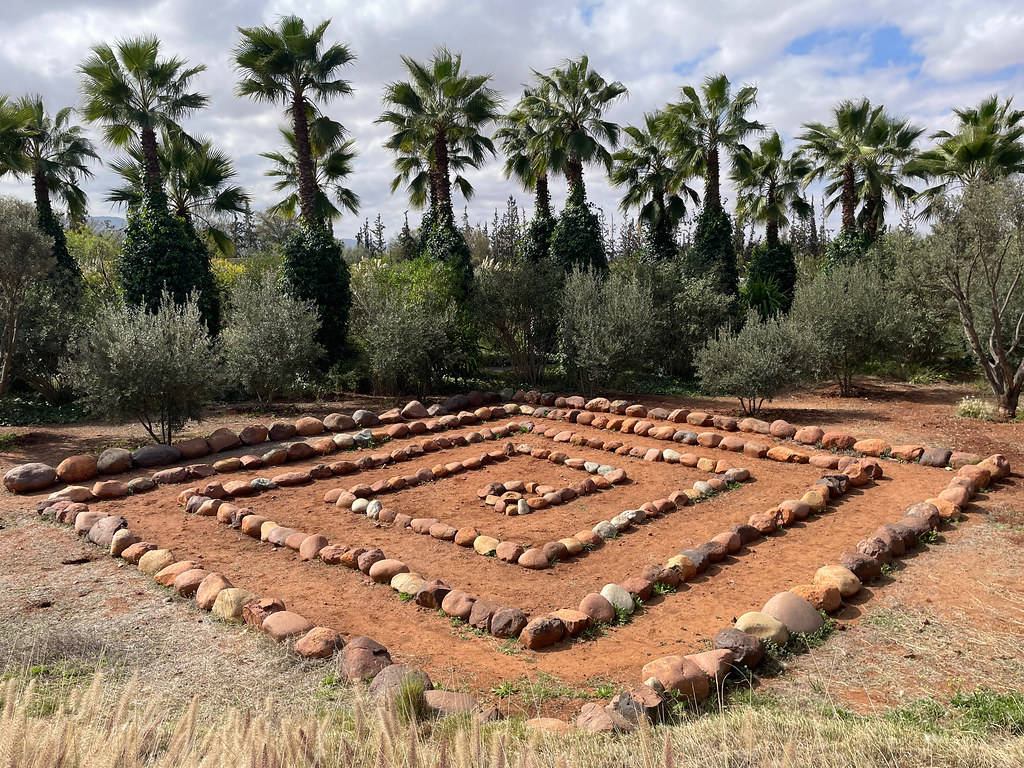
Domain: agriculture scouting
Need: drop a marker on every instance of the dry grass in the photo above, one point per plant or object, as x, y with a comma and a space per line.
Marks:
109, 724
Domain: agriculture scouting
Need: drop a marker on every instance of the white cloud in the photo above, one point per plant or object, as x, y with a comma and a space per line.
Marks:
966, 49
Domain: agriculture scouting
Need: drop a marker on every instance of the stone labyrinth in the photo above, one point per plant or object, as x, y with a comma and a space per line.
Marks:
552, 523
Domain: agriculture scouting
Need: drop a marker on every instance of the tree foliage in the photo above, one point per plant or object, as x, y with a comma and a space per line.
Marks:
775, 266
711, 251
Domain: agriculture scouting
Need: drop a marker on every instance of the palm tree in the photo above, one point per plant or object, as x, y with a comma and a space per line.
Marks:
333, 154
436, 119
527, 153
655, 185
289, 65
135, 93
569, 104
198, 180
864, 153
56, 153
769, 185
704, 123
11, 136
987, 144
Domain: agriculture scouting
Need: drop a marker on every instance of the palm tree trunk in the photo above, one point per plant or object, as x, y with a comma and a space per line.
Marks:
771, 229
871, 216
542, 203
442, 184
712, 192
42, 192
153, 178
574, 174
304, 159
849, 199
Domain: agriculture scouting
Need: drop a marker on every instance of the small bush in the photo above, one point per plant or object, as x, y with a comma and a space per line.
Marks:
976, 408
606, 330
576, 240
752, 365
155, 367
406, 322
517, 305
269, 338
314, 270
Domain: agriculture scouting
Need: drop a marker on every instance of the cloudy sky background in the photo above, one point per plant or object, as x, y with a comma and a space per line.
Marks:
917, 57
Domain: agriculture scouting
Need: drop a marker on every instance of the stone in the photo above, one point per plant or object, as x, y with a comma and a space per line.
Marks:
839, 577
574, 621
155, 560
596, 718
140, 485
154, 455
509, 552
809, 435
114, 461
209, 590
367, 560
134, 552
508, 622
481, 613
165, 576
730, 540
120, 541
683, 565
365, 418
362, 659
795, 612
109, 489
187, 582
432, 593
747, 649
85, 520
872, 447
72, 493
447, 703
956, 495
229, 602
638, 587
101, 533
408, 583
171, 476
33, 476
392, 679
383, 571
766, 627
598, 608
534, 559
485, 545
716, 664
618, 597
906, 452
765, 523
75, 469
223, 439
254, 613
781, 429
547, 725
311, 546
282, 625
861, 565
414, 409
542, 632
458, 603
824, 597
679, 674
318, 643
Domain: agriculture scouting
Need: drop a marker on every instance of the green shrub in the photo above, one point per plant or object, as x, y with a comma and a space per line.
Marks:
537, 238
752, 365
406, 321
162, 253
976, 408
846, 317
269, 338
516, 305
606, 330
712, 251
314, 270
156, 367
848, 247
773, 267
444, 243
576, 240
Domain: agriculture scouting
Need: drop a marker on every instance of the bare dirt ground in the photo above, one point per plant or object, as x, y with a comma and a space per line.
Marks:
949, 619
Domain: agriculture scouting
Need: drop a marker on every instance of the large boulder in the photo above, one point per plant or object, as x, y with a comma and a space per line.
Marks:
30, 477
746, 649
362, 659
795, 612
155, 455
114, 461
766, 627
75, 469
229, 603
679, 674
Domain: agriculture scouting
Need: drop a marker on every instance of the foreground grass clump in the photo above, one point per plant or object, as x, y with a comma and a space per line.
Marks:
976, 408
109, 724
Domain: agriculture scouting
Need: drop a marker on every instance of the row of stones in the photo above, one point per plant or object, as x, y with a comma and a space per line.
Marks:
779, 429
800, 609
602, 477
362, 659
299, 451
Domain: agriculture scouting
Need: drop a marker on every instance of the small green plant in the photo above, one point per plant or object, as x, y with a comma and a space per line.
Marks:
622, 616
660, 588
410, 702
976, 408
510, 647
8, 440
506, 689
405, 597
929, 537
888, 568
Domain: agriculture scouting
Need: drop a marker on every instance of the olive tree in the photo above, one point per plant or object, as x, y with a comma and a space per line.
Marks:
269, 339
25, 256
976, 251
157, 368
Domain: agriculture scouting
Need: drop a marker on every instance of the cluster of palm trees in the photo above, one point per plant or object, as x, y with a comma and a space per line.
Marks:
441, 117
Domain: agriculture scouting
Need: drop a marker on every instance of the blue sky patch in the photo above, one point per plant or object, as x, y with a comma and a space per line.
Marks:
882, 46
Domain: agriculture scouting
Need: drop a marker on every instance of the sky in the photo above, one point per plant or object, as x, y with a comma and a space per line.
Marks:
918, 57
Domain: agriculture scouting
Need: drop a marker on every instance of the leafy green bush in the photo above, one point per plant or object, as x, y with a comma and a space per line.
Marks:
162, 253
976, 408
606, 330
406, 321
516, 304
752, 365
774, 267
269, 338
156, 367
537, 237
444, 243
576, 240
846, 317
712, 251
314, 270
848, 247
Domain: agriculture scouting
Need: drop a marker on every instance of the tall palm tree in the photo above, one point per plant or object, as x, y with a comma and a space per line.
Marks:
289, 64
527, 152
703, 124
436, 119
135, 93
198, 179
769, 184
569, 104
987, 144
11, 136
885, 170
56, 153
655, 184
333, 154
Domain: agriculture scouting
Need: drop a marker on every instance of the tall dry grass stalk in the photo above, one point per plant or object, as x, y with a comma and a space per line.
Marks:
111, 725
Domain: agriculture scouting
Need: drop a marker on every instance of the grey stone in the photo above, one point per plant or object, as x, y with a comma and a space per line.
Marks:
155, 455
618, 597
